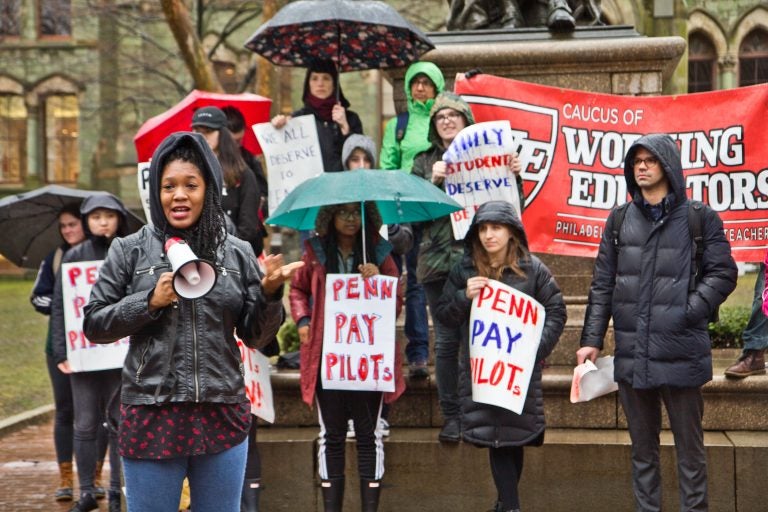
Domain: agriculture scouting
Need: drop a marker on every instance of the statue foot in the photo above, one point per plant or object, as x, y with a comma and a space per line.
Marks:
560, 20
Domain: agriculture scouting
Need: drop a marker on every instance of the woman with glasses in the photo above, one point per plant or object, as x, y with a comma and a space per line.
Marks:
338, 249
439, 252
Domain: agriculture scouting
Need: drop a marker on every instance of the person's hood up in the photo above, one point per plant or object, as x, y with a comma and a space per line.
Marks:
355, 141
211, 170
447, 100
108, 202
434, 74
325, 66
499, 212
665, 149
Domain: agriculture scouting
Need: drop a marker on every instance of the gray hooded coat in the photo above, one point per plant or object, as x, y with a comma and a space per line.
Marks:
483, 424
186, 352
660, 327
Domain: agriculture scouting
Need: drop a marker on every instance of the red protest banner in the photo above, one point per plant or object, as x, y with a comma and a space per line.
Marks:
573, 151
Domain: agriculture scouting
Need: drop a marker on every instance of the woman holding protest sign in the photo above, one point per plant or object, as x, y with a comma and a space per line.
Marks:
496, 249
324, 99
439, 251
184, 410
104, 218
338, 249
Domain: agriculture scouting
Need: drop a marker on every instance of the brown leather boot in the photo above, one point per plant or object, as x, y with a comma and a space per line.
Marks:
752, 362
64, 492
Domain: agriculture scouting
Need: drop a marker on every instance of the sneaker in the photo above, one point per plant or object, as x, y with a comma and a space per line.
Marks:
383, 427
451, 431
751, 363
417, 370
350, 429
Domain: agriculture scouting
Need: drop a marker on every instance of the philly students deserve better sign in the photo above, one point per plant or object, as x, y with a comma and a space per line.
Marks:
478, 170
505, 327
292, 154
359, 333
77, 279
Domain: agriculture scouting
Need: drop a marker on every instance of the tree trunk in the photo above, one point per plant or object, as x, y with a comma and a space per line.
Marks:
264, 71
192, 52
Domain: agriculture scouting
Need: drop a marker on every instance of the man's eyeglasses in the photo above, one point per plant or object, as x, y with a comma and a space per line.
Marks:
650, 161
448, 116
423, 82
348, 214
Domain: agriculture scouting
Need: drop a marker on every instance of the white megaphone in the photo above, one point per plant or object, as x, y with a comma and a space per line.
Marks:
192, 277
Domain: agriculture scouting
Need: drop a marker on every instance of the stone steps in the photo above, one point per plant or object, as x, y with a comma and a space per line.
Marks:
576, 469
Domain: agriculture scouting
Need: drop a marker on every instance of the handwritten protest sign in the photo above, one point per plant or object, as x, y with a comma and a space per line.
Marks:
505, 327
359, 333
258, 387
77, 279
143, 179
479, 171
292, 154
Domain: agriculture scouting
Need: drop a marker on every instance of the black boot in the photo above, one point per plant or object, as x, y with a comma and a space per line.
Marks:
114, 501
333, 494
86, 503
249, 498
369, 495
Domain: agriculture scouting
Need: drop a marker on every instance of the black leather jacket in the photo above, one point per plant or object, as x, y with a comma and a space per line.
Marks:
186, 352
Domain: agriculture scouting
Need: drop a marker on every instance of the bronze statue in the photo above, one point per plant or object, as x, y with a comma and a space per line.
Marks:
557, 15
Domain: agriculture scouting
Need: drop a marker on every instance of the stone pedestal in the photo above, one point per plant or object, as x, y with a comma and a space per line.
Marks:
615, 60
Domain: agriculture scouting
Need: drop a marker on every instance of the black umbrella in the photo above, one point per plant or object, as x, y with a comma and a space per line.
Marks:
30, 226
354, 34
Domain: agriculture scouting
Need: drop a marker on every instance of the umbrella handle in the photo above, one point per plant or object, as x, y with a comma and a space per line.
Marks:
362, 227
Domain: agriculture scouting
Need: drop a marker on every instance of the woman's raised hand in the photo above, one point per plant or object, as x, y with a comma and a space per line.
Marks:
474, 285
279, 120
339, 116
438, 172
515, 165
277, 272
368, 270
163, 295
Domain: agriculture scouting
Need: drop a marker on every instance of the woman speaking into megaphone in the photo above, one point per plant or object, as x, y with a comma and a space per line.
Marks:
184, 410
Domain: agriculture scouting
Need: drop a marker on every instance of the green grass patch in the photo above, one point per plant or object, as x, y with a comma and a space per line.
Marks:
24, 380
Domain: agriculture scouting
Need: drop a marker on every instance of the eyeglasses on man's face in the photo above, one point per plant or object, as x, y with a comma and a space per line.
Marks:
448, 116
649, 162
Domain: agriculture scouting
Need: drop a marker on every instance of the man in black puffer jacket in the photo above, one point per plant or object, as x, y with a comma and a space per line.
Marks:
663, 348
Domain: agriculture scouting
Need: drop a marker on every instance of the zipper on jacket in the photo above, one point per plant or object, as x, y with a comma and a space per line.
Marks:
194, 352
150, 270
224, 271
142, 362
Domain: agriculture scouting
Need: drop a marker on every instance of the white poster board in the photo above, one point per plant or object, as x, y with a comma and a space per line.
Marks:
143, 182
359, 333
292, 154
77, 279
258, 386
479, 171
505, 328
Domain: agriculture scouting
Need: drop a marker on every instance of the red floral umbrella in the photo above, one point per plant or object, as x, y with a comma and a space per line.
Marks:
355, 34
254, 108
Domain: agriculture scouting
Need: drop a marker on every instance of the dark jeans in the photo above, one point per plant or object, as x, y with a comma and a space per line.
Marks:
334, 408
63, 424
755, 335
507, 468
253, 460
685, 408
447, 345
416, 325
92, 393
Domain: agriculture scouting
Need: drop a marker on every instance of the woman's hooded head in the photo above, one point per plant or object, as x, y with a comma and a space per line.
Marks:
453, 101
208, 232
107, 202
325, 66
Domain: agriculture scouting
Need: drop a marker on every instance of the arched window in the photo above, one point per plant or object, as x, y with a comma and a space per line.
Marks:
61, 138
702, 63
753, 58
13, 138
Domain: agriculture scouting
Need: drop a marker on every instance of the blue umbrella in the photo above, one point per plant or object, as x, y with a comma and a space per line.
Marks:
400, 197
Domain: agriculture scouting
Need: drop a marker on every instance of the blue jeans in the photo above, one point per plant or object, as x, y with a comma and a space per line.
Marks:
416, 325
215, 481
755, 335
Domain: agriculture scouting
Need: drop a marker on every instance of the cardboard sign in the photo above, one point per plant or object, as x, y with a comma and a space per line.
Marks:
77, 279
505, 328
258, 386
479, 171
576, 142
143, 181
359, 333
292, 154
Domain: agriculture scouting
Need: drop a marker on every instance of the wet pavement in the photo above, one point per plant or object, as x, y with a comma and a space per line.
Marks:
29, 474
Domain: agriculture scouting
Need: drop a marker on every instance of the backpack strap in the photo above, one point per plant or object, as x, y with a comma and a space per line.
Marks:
616, 221
401, 126
695, 226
